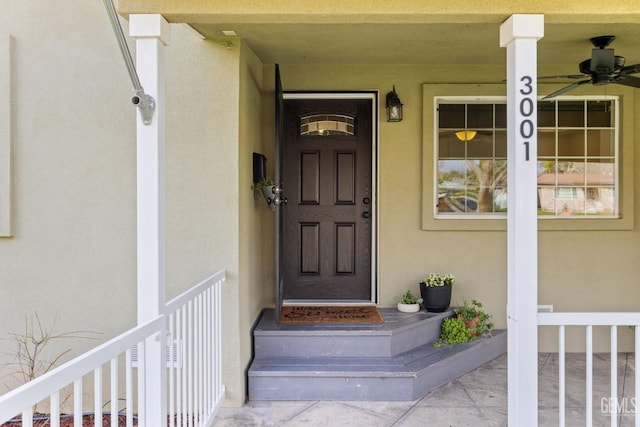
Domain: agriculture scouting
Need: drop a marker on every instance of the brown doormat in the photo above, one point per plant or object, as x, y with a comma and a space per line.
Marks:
330, 314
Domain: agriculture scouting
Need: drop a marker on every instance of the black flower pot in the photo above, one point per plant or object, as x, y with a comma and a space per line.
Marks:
435, 298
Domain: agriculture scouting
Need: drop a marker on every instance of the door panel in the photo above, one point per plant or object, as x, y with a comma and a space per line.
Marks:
328, 180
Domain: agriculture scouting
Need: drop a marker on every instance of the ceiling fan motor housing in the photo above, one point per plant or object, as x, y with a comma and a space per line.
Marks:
602, 68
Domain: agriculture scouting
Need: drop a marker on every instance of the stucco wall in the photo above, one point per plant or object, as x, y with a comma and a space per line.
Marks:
72, 258
73, 255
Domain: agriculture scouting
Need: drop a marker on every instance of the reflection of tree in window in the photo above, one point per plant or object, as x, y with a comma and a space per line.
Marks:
487, 175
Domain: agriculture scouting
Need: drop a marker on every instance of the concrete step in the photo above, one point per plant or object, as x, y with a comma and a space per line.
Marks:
408, 376
394, 360
400, 332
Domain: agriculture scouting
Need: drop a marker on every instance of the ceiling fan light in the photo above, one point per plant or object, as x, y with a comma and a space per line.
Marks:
466, 135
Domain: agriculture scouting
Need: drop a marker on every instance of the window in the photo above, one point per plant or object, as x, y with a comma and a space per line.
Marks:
327, 125
577, 157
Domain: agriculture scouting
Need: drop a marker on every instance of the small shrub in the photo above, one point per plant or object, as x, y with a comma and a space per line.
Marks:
470, 322
409, 298
453, 331
477, 320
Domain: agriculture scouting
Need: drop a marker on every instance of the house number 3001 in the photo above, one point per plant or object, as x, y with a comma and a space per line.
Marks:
527, 107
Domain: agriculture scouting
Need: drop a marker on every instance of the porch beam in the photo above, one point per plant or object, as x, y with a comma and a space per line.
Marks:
520, 34
151, 33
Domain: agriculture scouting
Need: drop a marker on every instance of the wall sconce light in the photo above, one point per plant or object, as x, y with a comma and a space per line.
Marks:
394, 106
466, 135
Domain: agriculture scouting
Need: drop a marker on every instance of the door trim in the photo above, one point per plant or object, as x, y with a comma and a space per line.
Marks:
373, 97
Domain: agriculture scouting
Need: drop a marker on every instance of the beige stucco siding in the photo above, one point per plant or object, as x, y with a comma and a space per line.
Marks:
73, 255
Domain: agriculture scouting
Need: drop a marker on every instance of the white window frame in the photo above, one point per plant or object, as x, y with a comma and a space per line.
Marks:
437, 100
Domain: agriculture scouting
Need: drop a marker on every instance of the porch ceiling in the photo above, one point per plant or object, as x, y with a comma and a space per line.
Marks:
413, 32
382, 43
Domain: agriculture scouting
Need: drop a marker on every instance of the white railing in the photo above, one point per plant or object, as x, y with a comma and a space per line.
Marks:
192, 322
194, 325
588, 321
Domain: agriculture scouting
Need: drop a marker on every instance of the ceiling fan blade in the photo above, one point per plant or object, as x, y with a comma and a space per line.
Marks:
565, 89
566, 76
630, 69
628, 81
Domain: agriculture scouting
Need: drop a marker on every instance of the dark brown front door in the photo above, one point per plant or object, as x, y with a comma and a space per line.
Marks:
327, 177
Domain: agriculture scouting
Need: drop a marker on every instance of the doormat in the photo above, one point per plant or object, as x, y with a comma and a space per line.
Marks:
330, 314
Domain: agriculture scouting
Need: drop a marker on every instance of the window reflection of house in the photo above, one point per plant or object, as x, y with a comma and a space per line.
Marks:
566, 194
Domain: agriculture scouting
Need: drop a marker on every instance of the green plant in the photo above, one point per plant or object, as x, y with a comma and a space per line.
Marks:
453, 331
477, 320
409, 298
262, 184
437, 279
470, 322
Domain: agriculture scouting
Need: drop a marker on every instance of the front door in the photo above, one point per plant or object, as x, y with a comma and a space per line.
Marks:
328, 221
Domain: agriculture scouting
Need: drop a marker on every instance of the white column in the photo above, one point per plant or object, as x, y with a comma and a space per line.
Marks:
151, 32
519, 34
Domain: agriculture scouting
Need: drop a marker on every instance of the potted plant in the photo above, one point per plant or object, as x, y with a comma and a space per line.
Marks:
271, 192
469, 323
266, 186
475, 318
409, 303
435, 290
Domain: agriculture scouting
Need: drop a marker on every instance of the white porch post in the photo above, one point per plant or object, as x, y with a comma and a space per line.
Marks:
151, 32
519, 34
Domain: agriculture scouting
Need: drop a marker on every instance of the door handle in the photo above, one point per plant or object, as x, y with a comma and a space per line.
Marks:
366, 215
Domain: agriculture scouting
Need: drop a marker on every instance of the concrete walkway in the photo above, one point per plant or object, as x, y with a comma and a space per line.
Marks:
478, 398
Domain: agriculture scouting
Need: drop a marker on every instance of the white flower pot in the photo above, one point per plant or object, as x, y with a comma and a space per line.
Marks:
408, 308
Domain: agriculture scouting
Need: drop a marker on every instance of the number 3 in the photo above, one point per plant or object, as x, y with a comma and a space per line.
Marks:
527, 80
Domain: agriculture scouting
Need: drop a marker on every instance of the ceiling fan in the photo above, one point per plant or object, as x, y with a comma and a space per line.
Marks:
602, 68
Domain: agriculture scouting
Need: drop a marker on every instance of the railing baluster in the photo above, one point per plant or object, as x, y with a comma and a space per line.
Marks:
77, 403
219, 387
185, 364
207, 322
114, 392
196, 360
200, 360
172, 370
27, 418
637, 370
97, 394
54, 411
129, 388
180, 352
614, 375
589, 376
561, 376
190, 367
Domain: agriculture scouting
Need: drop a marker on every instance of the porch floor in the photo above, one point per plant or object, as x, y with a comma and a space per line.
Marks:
479, 398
